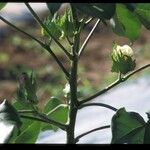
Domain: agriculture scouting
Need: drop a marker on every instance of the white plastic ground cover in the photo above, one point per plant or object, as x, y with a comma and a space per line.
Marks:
134, 96
5, 131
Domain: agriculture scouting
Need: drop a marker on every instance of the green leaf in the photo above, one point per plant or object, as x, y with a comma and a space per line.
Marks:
9, 121
66, 24
130, 6
97, 10
59, 114
53, 28
147, 133
46, 126
25, 122
19, 105
2, 5
124, 64
51, 104
26, 92
31, 87
143, 12
117, 26
29, 134
123, 59
53, 7
59, 26
126, 23
127, 127
130, 128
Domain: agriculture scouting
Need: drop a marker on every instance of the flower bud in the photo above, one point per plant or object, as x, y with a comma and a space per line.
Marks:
66, 90
59, 26
26, 91
52, 27
125, 50
123, 59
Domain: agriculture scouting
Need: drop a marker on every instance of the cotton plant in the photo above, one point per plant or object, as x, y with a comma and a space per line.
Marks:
23, 121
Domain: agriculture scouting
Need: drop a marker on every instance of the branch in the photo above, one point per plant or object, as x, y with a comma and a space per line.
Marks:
18, 29
57, 60
100, 92
46, 120
47, 30
33, 118
138, 70
93, 130
118, 81
41, 43
70, 42
97, 104
88, 38
88, 21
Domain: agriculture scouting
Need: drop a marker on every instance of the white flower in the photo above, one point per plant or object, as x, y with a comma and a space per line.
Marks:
66, 90
125, 50
123, 59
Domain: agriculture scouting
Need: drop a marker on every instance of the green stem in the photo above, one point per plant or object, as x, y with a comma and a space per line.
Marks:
46, 120
118, 81
93, 130
74, 16
89, 20
41, 117
88, 38
57, 60
47, 30
138, 70
74, 63
18, 29
70, 43
71, 127
100, 92
97, 104
119, 76
73, 83
33, 118
73, 102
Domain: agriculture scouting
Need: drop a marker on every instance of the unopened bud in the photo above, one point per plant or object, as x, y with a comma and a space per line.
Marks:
66, 90
123, 59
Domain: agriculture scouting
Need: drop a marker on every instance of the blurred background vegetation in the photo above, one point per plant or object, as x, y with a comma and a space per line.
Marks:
20, 54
